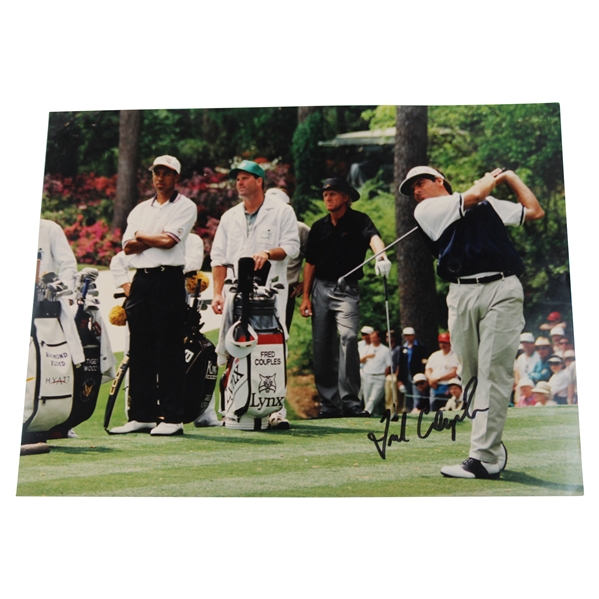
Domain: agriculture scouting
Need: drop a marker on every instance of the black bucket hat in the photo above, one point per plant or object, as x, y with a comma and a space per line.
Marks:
338, 184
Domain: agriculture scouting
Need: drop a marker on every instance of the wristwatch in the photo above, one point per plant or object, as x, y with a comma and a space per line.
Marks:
267, 253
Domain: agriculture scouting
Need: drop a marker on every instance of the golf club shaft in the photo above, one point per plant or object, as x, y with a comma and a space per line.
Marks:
379, 253
393, 387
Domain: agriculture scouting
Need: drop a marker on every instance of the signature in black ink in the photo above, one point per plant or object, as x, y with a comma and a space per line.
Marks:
440, 422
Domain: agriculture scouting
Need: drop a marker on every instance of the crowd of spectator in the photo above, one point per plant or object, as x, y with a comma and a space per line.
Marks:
544, 371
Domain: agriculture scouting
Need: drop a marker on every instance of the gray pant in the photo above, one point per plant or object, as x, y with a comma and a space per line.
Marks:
336, 361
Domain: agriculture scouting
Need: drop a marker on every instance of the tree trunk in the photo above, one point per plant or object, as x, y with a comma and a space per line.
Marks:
417, 290
126, 185
303, 112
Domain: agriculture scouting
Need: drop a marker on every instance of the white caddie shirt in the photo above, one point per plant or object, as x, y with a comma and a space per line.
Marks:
56, 253
275, 226
175, 218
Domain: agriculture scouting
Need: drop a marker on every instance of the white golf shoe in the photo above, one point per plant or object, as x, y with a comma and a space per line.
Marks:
278, 421
204, 420
167, 429
132, 427
473, 468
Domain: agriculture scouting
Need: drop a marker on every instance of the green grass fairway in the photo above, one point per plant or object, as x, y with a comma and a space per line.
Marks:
329, 458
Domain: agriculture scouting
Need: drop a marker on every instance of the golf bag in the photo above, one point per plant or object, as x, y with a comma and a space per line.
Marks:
254, 384
201, 369
60, 395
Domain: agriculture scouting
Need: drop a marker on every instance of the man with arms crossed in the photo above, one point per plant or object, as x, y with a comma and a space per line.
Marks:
155, 238
466, 232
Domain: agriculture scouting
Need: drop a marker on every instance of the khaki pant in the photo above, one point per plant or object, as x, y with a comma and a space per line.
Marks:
389, 396
485, 322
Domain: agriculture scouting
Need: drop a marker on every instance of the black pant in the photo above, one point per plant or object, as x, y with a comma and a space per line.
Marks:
156, 316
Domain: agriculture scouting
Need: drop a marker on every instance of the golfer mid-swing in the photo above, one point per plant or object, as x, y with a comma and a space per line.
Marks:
336, 245
467, 234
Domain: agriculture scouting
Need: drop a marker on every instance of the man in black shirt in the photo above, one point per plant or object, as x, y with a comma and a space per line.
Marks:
337, 244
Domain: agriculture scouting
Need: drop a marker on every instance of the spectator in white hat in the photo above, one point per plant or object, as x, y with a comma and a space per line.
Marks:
456, 401
423, 394
556, 334
408, 360
376, 362
526, 361
559, 381
524, 395
541, 370
542, 394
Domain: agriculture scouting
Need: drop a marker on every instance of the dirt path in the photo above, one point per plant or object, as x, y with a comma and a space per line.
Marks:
301, 394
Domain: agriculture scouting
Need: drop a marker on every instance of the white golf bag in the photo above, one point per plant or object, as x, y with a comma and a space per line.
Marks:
254, 384
63, 371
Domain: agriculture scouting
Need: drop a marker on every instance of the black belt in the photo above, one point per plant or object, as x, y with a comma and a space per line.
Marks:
482, 280
158, 269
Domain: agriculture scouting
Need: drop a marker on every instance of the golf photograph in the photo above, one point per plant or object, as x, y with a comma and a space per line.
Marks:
304, 302
298, 300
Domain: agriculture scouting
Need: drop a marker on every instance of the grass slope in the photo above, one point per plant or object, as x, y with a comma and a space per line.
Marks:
330, 458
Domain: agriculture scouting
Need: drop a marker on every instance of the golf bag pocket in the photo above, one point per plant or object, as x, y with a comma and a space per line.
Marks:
255, 386
50, 379
201, 372
86, 383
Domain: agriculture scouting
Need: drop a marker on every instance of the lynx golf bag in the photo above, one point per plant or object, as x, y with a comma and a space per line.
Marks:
254, 384
64, 371
200, 357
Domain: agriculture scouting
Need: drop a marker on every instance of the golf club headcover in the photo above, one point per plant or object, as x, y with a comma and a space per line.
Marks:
245, 275
193, 278
261, 275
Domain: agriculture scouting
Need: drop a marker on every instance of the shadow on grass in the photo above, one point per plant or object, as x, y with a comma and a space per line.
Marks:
81, 450
253, 440
525, 479
320, 429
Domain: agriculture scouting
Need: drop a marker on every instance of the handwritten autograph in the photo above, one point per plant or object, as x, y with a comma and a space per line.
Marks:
440, 422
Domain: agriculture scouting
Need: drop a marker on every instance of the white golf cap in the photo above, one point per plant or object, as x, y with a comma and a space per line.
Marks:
527, 338
168, 161
557, 331
278, 194
366, 330
542, 341
409, 331
419, 377
525, 382
421, 171
455, 381
569, 353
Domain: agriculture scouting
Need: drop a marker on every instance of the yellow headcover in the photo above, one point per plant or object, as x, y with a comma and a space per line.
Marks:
192, 281
117, 316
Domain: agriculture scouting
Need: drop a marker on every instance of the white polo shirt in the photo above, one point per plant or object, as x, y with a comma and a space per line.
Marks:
434, 215
175, 218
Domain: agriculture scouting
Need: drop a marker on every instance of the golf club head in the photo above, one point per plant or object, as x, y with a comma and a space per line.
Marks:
48, 277
341, 284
